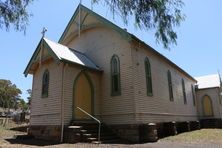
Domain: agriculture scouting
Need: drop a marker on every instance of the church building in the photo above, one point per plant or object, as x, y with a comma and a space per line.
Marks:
99, 72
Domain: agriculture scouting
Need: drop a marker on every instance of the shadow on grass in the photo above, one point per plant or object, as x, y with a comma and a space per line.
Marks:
27, 140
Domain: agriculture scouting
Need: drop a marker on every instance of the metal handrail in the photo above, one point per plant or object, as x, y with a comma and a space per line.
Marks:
97, 120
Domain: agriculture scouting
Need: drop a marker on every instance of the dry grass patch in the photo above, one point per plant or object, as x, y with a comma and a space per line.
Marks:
7, 133
199, 136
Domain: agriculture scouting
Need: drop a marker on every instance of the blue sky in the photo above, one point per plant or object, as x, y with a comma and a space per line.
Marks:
198, 51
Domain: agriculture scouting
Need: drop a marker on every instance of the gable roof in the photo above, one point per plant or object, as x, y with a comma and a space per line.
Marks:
208, 81
64, 54
75, 21
123, 32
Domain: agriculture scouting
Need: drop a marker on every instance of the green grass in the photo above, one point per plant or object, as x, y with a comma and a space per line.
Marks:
203, 135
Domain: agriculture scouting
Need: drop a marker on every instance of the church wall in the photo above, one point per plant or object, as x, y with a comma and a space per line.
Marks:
100, 44
70, 74
135, 106
128, 113
158, 107
46, 111
213, 93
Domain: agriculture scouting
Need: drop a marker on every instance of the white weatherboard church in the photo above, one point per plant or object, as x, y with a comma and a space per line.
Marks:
112, 75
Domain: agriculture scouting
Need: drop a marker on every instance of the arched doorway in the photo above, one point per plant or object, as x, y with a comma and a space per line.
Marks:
83, 96
207, 106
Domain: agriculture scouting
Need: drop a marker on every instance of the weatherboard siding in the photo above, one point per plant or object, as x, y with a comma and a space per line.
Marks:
133, 105
100, 44
46, 111
158, 107
70, 74
213, 93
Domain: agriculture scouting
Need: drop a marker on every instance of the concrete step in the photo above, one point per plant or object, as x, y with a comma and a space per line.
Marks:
102, 134
88, 132
91, 139
112, 141
74, 127
102, 137
96, 142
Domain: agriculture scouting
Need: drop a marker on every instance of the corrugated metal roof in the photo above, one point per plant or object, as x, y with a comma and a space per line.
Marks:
71, 55
208, 81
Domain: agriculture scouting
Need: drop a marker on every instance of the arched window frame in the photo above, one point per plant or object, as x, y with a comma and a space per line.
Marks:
45, 84
184, 91
115, 76
149, 86
193, 94
170, 85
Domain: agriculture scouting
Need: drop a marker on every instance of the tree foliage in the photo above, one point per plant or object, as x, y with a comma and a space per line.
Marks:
22, 104
29, 91
161, 15
9, 94
14, 12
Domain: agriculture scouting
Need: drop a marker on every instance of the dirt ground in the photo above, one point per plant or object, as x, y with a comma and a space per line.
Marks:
205, 138
10, 143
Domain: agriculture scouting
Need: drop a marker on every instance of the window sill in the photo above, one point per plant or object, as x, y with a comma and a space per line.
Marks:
149, 95
116, 94
44, 96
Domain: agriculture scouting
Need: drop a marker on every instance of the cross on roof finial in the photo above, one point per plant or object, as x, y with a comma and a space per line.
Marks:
43, 32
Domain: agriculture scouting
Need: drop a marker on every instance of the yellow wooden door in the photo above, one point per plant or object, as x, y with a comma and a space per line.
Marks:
82, 97
207, 106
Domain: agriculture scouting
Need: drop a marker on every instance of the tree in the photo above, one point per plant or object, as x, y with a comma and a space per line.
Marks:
9, 95
29, 91
14, 12
161, 15
22, 104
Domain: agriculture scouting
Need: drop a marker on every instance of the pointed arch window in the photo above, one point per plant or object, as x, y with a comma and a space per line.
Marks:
193, 94
45, 84
170, 85
115, 76
184, 92
148, 77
